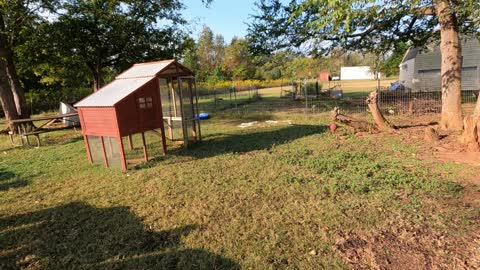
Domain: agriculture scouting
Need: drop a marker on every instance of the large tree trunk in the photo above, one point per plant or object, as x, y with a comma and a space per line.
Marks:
451, 66
6, 52
16, 88
6, 97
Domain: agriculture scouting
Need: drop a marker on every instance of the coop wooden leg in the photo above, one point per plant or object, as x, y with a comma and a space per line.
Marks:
130, 142
164, 138
122, 154
87, 144
145, 153
104, 152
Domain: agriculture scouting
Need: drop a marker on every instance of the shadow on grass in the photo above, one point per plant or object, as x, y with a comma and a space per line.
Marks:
250, 141
10, 180
79, 236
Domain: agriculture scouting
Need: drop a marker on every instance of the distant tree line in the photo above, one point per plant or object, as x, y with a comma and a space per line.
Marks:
214, 60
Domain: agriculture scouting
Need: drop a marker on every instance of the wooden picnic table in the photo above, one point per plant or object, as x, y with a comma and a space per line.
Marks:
24, 131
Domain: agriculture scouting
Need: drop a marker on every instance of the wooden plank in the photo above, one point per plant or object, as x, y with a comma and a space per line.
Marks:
52, 117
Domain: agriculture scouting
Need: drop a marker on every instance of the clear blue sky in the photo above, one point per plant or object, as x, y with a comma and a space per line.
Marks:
226, 17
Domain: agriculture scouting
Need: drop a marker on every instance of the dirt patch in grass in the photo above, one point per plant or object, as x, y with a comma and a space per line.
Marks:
407, 247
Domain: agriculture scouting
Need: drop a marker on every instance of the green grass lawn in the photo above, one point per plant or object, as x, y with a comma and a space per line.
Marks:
272, 196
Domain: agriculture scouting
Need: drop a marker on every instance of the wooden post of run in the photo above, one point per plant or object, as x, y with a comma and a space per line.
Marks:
145, 153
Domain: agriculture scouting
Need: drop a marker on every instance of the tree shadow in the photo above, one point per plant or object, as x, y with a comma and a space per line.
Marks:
73, 140
79, 236
416, 125
10, 180
250, 141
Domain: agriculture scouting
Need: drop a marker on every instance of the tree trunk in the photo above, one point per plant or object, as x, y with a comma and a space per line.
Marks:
451, 68
382, 123
97, 78
11, 73
470, 134
16, 88
431, 135
6, 97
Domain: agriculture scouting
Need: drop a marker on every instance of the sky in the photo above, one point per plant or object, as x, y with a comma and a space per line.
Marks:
226, 17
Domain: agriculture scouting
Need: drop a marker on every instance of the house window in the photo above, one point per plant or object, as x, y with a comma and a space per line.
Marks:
145, 103
429, 71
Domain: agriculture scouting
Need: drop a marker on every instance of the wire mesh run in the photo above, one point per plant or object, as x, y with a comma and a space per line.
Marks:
287, 99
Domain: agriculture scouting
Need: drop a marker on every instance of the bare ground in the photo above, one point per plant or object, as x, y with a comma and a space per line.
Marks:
402, 246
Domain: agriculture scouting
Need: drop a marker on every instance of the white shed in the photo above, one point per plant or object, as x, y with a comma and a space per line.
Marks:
356, 73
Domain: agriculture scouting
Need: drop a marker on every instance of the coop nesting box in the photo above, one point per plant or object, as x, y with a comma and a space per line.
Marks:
156, 96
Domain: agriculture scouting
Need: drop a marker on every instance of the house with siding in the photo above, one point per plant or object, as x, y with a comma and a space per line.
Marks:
420, 68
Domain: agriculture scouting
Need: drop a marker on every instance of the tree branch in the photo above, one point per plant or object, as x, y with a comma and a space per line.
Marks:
426, 10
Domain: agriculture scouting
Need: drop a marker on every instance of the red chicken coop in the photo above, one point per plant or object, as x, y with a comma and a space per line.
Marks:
148, 97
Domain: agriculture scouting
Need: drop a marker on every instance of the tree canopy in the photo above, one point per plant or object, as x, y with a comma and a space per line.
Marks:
367, 25
373, 26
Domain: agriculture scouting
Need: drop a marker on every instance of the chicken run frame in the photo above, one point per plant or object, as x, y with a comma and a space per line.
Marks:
152, 96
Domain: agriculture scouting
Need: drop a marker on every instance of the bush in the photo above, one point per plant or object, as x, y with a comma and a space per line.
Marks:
47, 100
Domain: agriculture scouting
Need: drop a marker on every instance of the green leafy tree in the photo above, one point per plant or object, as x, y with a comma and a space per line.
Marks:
238, 60
390, 66
210, 52
112, 34
190, 58
15, 17
373, 26
274, 66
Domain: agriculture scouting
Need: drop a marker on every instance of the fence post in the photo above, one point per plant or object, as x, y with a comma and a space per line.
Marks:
215, 98
305, 91
235, 96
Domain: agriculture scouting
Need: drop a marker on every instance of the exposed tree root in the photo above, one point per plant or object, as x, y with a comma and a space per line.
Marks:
356, 124
381, 124
431, 135
470, 136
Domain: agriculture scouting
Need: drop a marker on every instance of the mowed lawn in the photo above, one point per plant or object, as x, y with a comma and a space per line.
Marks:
276, 195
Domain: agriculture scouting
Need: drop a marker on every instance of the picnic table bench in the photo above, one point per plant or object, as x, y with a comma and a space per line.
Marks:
24, 130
